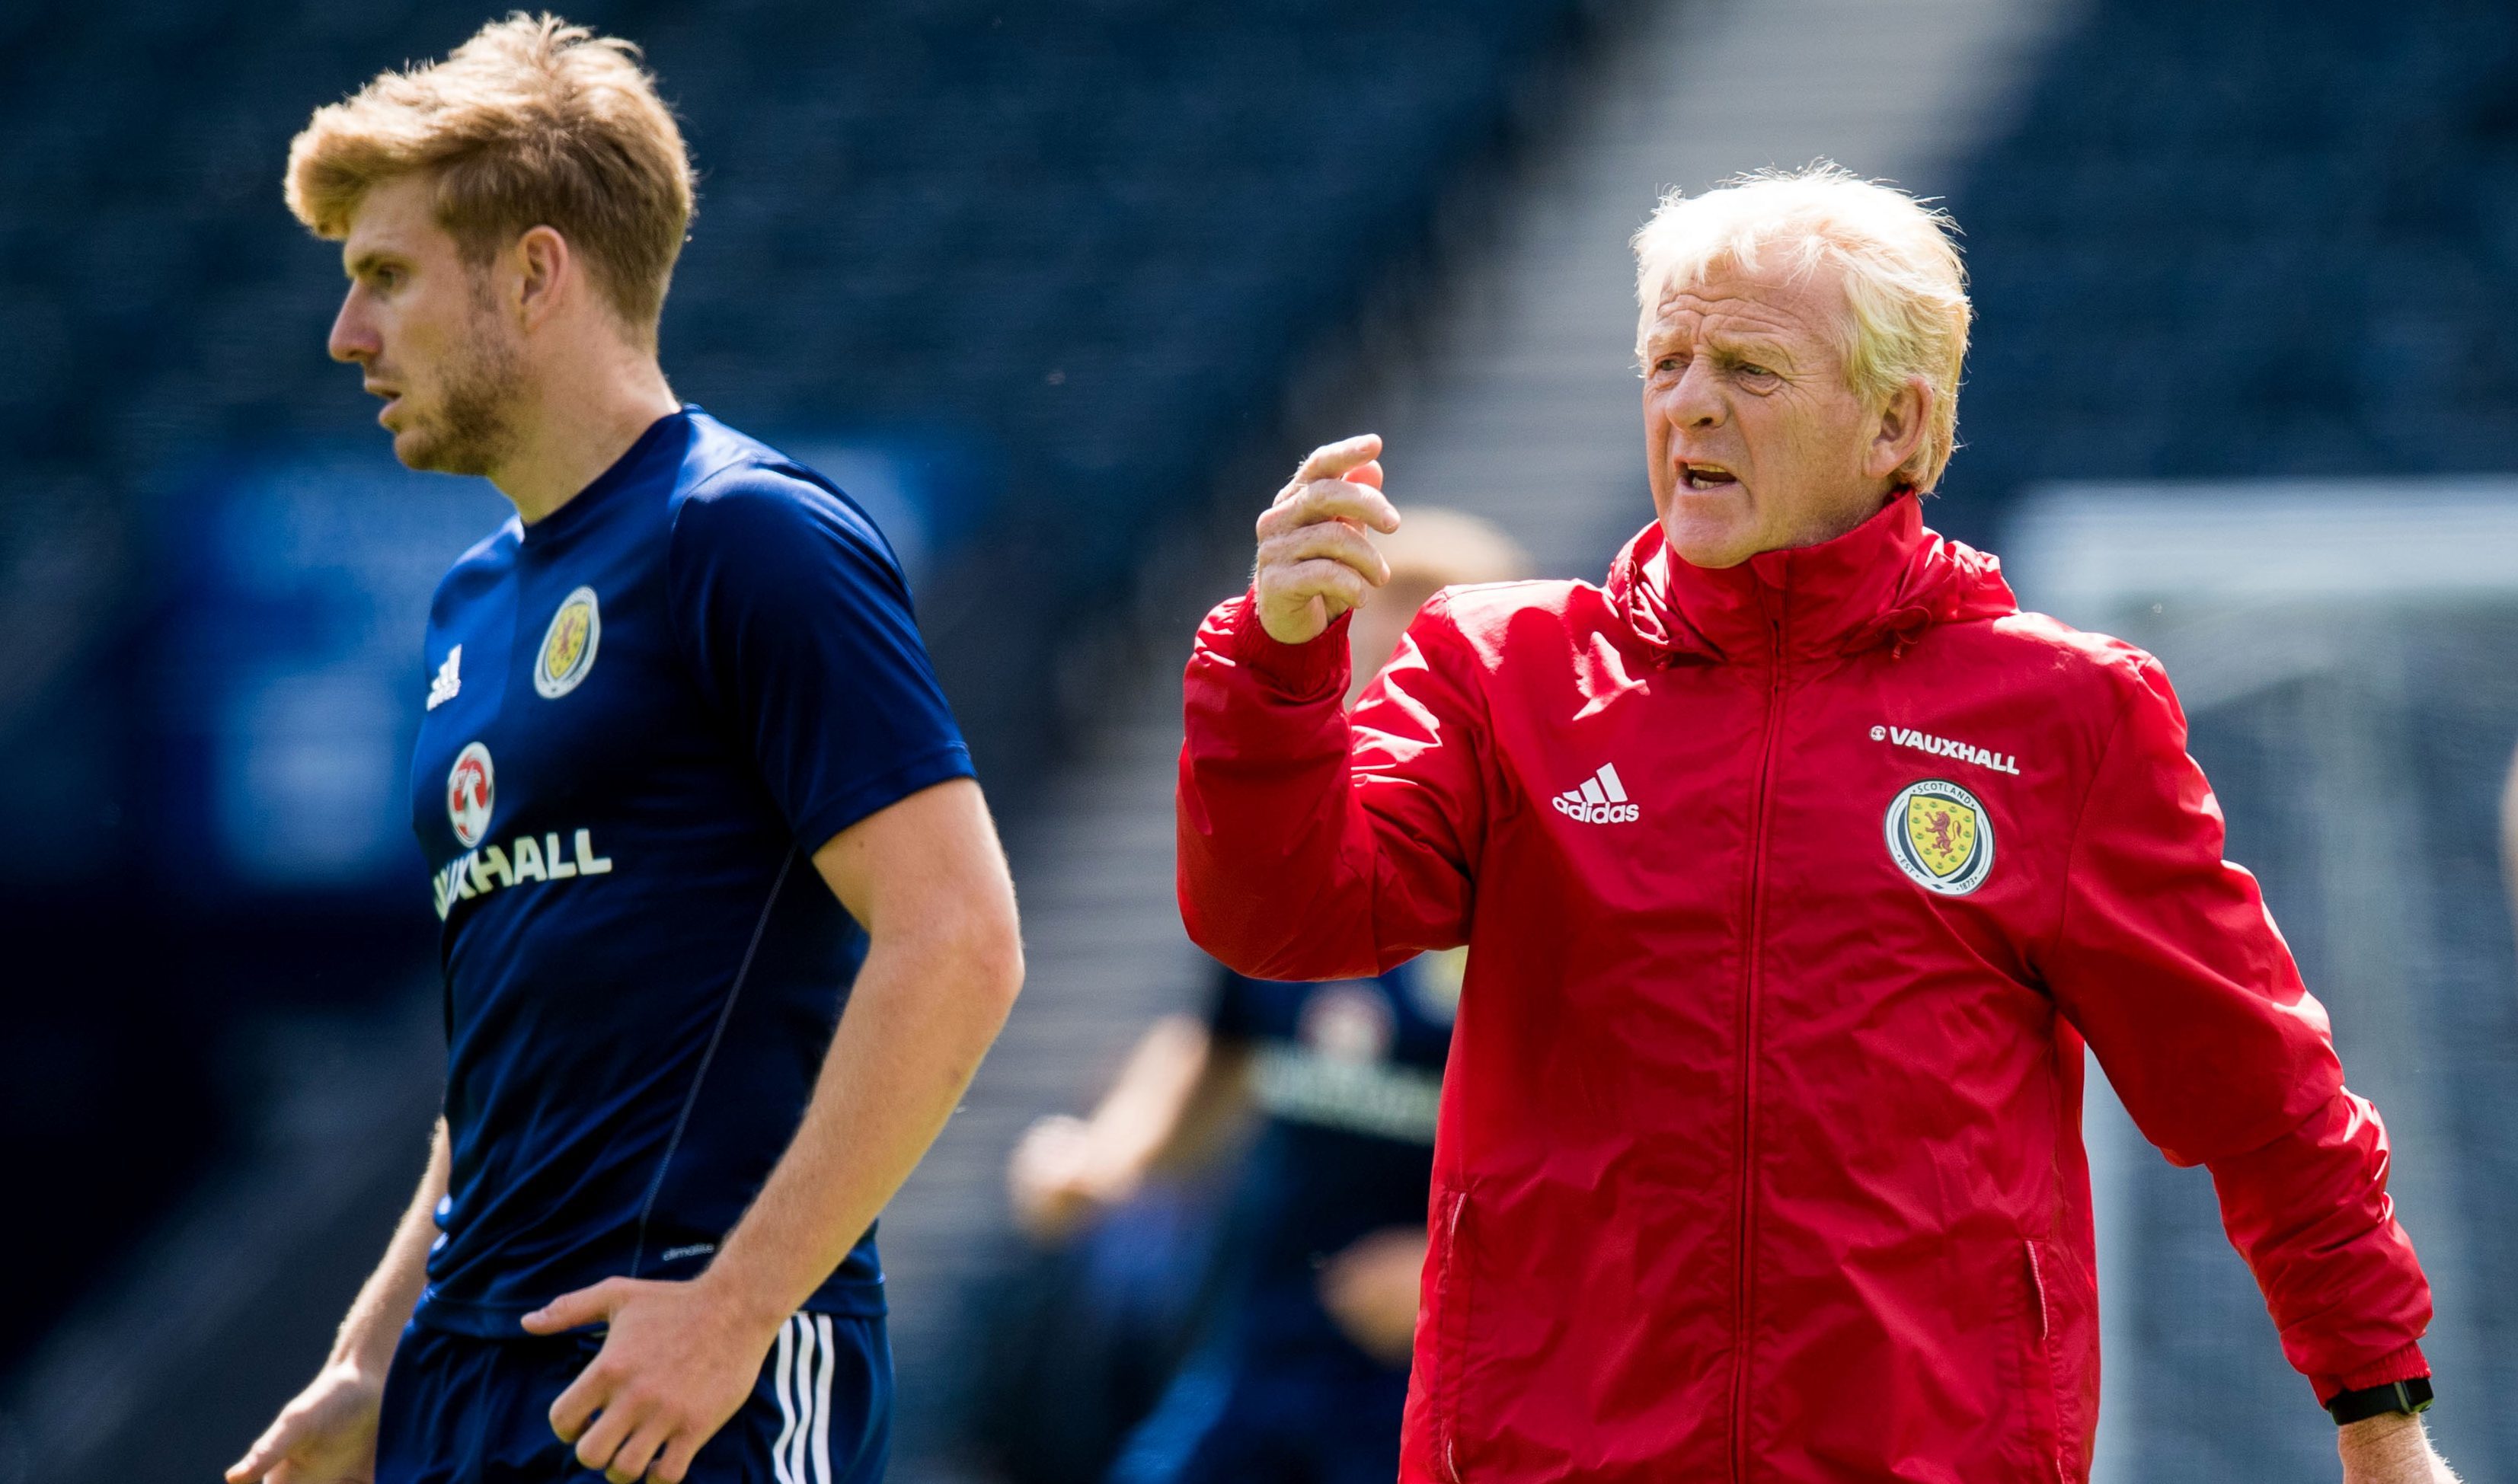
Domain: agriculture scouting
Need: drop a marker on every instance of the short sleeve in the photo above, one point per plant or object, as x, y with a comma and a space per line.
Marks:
797, 622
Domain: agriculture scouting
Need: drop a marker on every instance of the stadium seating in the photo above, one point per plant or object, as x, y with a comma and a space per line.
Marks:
2261, 237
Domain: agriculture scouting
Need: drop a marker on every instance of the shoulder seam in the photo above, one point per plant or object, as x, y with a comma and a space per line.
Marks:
2080, 815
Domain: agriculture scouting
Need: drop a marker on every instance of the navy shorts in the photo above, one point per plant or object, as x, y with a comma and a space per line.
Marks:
461, 1410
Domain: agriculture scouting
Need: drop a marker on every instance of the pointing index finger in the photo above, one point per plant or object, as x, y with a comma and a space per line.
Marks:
569, 1310
1330, 461
1355, 503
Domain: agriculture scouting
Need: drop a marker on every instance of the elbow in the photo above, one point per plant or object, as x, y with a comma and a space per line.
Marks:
997, 963
1226, 950
1234, 933
987, 955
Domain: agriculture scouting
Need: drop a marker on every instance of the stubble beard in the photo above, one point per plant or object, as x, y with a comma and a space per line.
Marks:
473, 431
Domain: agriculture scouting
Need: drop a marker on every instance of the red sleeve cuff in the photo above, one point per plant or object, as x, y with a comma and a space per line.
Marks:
2403, 1366
1306, 671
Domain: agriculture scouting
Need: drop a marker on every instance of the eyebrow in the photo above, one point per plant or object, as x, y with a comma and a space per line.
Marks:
1761, 349
1770, 353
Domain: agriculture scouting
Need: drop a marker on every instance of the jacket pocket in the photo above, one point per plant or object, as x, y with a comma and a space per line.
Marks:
2037, 1365
1452, 1279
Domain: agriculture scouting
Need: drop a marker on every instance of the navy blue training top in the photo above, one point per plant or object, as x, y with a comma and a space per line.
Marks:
646, 712
1349, 1075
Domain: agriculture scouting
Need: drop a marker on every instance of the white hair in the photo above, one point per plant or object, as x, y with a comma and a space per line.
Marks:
1905, 286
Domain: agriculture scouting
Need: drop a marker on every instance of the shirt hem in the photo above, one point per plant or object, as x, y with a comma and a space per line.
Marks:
855, 1300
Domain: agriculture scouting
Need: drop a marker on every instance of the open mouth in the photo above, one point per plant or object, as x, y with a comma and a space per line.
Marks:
1697, 476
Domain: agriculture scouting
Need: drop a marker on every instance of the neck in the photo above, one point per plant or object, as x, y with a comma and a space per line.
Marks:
1844, 518
578, 426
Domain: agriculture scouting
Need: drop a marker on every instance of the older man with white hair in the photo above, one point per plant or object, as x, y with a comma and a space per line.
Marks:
1797, 865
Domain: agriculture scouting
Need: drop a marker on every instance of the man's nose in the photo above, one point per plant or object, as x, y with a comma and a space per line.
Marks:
1695, 400
351, 337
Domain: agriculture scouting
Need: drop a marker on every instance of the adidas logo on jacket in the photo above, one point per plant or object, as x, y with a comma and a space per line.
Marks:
1601, 800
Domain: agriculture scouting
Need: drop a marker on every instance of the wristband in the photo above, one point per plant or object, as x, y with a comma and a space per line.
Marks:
2405, 1397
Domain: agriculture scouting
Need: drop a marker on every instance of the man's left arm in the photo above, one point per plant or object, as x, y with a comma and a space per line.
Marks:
927, 881
2166, 960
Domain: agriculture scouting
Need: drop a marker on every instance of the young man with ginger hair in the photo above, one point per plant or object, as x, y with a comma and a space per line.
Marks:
689, 788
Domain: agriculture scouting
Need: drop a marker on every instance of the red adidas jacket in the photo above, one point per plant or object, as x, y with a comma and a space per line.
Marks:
1792, 891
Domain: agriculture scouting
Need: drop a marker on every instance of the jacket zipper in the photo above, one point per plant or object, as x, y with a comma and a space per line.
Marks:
1751, 952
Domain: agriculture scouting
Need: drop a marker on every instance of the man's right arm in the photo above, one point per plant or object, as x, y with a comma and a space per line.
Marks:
1312, 846
327, 1434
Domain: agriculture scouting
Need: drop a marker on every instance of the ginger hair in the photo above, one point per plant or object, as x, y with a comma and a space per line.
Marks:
534, 122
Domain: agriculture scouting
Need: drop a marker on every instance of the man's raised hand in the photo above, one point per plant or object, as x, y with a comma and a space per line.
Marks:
1315, 560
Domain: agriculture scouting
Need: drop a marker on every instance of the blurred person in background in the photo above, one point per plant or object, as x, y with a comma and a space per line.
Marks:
689, 788
1303, 1375
1795, 866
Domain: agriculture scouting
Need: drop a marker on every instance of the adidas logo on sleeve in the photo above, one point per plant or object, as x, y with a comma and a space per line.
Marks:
1601, 800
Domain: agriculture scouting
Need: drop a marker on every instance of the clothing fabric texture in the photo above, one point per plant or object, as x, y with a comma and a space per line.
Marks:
648, 710
1792, 891
463, 1410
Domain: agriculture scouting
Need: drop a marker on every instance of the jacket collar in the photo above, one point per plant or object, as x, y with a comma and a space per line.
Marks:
1882, 582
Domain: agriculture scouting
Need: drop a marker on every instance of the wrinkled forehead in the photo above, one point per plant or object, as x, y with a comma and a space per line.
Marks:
1801, 304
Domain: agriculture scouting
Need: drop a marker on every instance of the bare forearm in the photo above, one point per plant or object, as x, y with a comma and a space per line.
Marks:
1170, 1104
385, 1301
1143, 1110
2390, 1450
1213, 1110
917, 1025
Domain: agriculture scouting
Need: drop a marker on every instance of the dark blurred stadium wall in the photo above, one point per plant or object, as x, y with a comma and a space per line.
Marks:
2259, 237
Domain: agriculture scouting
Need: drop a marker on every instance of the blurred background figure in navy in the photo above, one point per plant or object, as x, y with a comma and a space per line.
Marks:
1047, 288
1309, 1287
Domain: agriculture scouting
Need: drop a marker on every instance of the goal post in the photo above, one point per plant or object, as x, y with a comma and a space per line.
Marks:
2344, 650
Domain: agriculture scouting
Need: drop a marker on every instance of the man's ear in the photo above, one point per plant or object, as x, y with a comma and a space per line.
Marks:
542, 261
1897, 445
